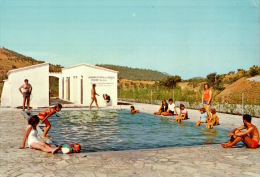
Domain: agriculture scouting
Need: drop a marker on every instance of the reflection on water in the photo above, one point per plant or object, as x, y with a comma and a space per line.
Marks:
119, 130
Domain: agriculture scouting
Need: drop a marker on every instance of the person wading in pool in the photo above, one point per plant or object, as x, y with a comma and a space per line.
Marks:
250, 137
45, 114
207, 98
93, 96
26, 90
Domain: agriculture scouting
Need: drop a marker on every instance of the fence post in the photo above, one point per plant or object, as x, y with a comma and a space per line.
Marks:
242, 103
151, 96
173, 93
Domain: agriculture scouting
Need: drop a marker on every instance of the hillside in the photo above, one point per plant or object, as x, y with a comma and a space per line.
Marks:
233, 92
136, 73
12, 60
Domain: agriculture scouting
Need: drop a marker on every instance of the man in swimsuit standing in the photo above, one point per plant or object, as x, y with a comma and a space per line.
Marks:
93, 96
250, 137
26, 90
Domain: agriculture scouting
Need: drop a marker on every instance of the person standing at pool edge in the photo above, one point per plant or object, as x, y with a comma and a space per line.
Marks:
93, 96
26, 90
207, 98
44, 115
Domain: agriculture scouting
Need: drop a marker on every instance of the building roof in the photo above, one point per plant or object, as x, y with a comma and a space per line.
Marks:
27, 67
92, 66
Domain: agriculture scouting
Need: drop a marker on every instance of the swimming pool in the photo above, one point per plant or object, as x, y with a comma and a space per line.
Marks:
118, 130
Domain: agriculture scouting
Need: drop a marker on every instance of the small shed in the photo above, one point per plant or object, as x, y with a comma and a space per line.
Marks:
75, 84
38, 76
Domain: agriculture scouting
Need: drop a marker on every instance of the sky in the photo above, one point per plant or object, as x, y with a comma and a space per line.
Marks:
190, 38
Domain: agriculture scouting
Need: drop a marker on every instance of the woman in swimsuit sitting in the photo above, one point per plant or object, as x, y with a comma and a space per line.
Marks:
33, 141
26, 90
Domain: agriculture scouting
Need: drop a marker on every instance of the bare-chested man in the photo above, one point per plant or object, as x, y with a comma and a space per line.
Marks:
250, 137
93, 96
26, 90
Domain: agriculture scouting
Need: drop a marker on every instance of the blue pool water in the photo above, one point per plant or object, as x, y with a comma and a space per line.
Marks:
118, 130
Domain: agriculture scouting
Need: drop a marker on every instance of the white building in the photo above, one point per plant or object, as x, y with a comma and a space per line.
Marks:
38, 76
75, 84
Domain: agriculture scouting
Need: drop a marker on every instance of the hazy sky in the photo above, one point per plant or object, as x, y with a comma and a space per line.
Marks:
185, 37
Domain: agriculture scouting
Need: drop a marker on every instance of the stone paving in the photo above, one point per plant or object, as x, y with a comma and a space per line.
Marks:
210, 160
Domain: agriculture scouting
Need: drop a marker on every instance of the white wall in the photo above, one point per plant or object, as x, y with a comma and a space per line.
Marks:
106, 82
38, 77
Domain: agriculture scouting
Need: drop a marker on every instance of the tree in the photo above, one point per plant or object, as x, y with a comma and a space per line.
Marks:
170, 81
254, 70
211, 78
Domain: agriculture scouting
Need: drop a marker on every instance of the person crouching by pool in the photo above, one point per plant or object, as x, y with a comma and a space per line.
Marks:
250, 137
171, 109
133, 110
44, 115
203, 117
33, 141
163, 108
214, 119
183, 114
26, 90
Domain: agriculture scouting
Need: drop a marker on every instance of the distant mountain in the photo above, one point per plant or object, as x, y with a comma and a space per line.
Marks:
136, 73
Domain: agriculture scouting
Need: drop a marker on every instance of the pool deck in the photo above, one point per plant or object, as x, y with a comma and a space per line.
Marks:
208, 160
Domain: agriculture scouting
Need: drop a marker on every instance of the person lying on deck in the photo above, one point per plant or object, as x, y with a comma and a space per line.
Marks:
250, 135
171, 109
44, 115
33, 141
163, 108
133, 110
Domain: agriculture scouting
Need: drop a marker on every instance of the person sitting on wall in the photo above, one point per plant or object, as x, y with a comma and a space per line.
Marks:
171, 109
133, 110
26, 90
93, 96
163, 108
106, 98
44, 115
250, 137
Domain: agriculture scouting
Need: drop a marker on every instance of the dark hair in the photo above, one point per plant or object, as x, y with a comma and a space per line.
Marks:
132, 107
182, 105
25, 80
93, 85
59, 105
213, 110
33, 120
247, 118
203, 109
207, 85
170, 99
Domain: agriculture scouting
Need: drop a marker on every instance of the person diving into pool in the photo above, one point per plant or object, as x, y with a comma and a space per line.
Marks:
45, 114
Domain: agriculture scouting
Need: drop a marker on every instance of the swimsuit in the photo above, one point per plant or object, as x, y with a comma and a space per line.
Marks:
254, 144
171, 108
184, 111
27, 94
206, 96
164, 108
43, 114
203, 117
32, 138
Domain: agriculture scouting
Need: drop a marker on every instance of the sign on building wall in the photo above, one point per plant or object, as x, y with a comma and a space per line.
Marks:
102, 80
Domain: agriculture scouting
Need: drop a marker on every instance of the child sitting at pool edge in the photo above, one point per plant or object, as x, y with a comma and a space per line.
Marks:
203, 117
183, 114
214, 119
33, 141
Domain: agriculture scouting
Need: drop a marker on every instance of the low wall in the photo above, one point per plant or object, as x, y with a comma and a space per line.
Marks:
253, 110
